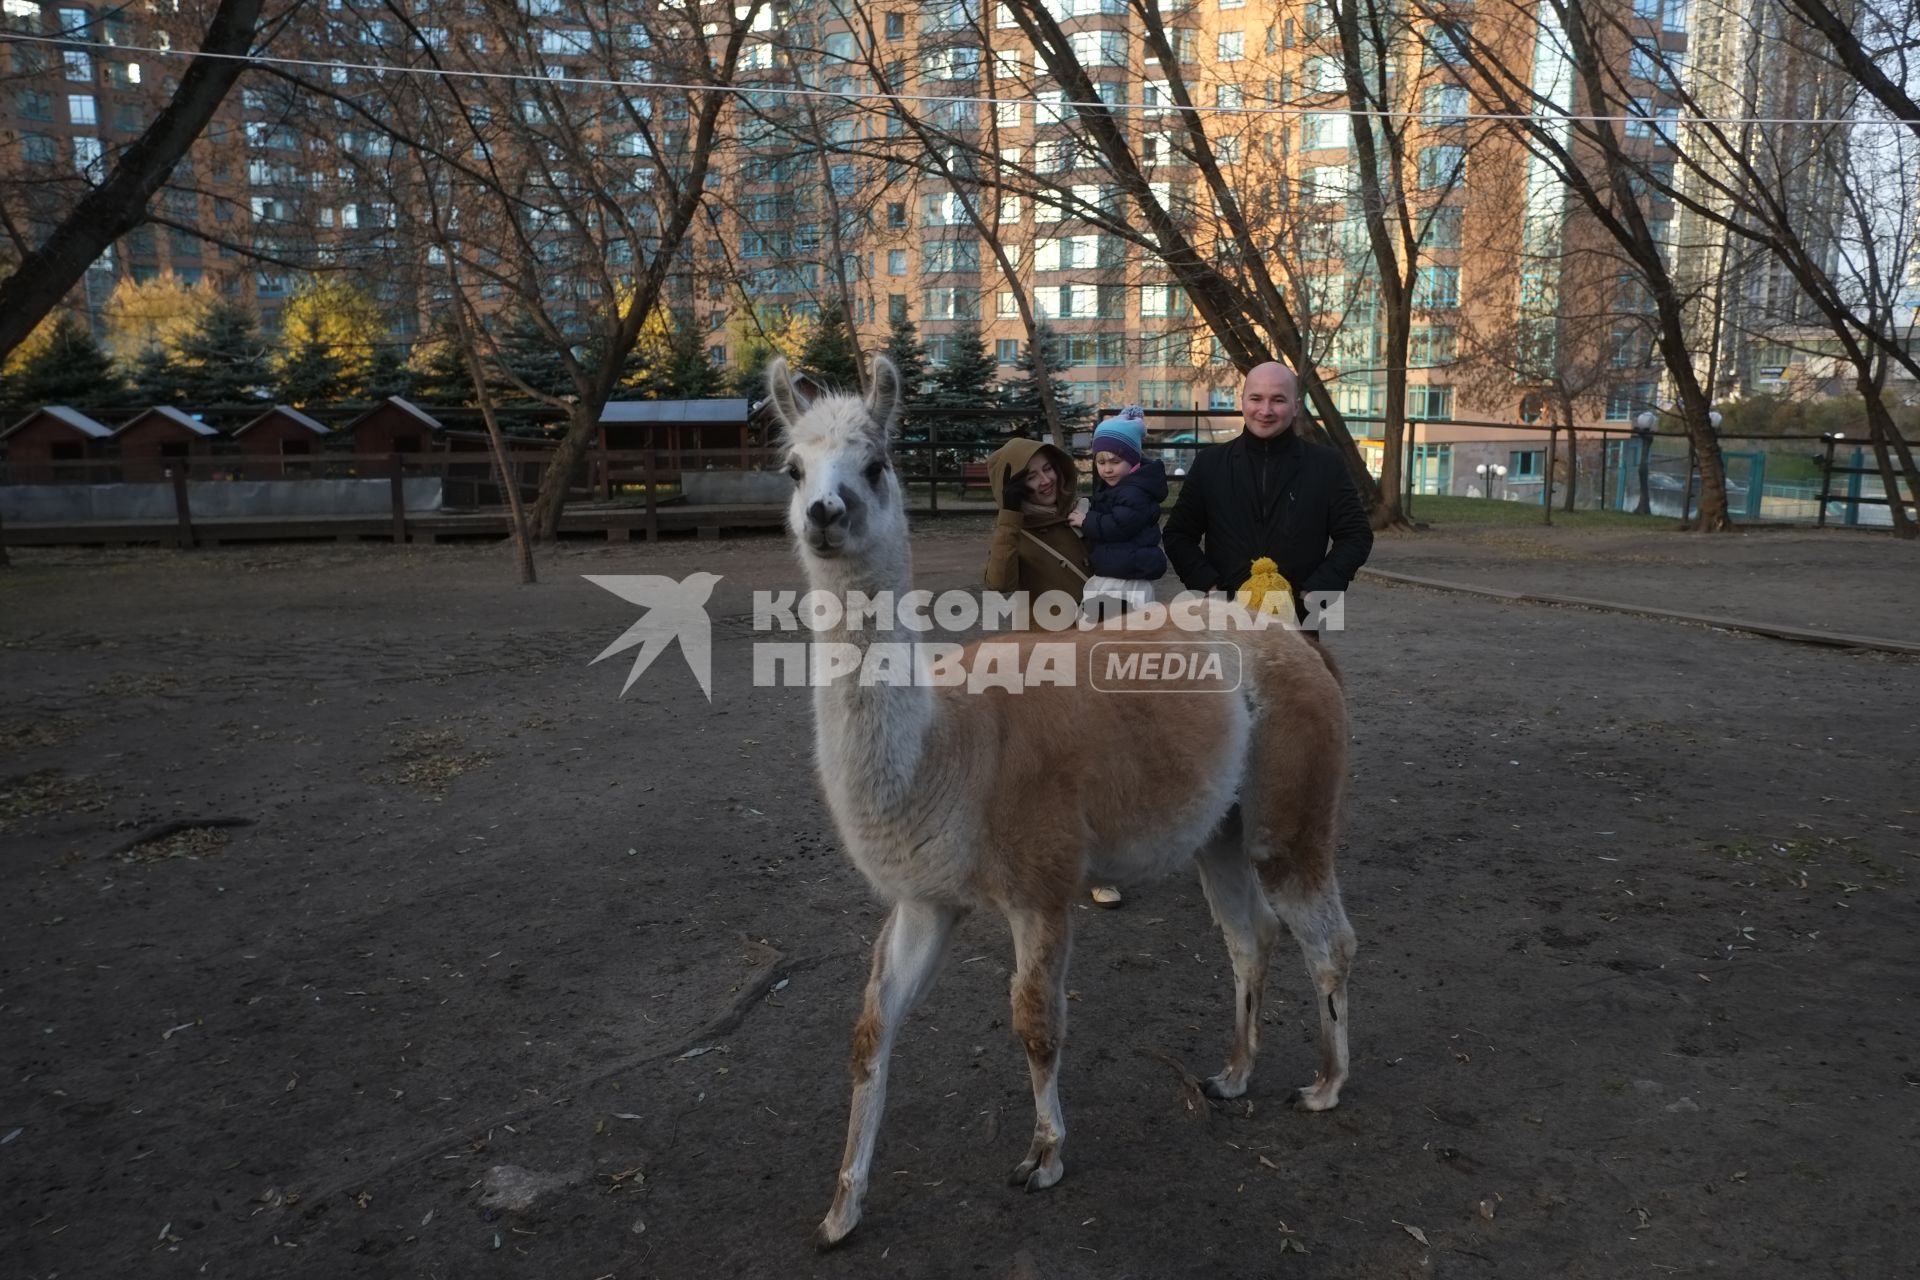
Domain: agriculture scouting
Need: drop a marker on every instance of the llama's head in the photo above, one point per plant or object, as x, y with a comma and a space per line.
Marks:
846, 498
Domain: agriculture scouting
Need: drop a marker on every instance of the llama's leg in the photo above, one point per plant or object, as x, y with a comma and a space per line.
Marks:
1042, 940
1250, 927
906, 958
1319, 923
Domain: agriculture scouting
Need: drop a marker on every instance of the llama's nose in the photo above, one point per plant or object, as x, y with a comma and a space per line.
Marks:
824, 513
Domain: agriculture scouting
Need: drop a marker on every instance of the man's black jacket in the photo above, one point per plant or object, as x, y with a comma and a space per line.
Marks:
1286, 498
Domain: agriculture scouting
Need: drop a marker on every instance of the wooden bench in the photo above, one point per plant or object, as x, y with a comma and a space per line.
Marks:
974, 476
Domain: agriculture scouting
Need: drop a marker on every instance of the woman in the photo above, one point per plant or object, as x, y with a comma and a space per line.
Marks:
1034, 548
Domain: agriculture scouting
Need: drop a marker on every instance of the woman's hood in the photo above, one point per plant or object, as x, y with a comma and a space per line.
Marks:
1015, 455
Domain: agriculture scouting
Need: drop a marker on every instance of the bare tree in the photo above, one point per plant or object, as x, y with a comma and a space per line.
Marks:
1400, 89
570, 193
1577, 133
1874, 41
120, 203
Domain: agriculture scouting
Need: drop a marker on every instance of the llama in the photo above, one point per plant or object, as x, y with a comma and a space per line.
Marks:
946, 800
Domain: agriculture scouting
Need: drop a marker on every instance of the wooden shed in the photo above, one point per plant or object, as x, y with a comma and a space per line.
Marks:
395, 425
680, 430
153, 441
280, 444
55, 445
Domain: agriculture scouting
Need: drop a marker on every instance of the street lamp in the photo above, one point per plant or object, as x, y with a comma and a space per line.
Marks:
1488, 472
1643, 432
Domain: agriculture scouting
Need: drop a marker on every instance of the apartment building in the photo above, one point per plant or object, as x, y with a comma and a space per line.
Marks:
67, 107
974, 196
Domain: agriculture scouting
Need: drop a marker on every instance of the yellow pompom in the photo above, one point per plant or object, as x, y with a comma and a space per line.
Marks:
1265, 590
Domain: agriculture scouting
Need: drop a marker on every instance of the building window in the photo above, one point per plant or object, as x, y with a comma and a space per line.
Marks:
1437, 287
1007, 351
896, 308
896, 215
1163, 393
1445, 104
951, 304
79, 66
896, 26
1161, 349
1428, 404
1625, 400
81, 109
1163, 300
1429, 345
1443, 227
1440, 167
39, 150
950, 255
1232, 45
1524, 464
1445, 42
1097, 392
896, 262
1323, 130
86, 154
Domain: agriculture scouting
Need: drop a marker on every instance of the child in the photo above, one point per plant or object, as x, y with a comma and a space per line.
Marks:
1122, 521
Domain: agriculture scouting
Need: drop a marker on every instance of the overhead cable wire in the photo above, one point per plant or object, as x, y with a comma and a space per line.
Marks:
1445, 118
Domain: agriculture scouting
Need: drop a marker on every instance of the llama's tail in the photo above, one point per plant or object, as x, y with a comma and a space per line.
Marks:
1333, 667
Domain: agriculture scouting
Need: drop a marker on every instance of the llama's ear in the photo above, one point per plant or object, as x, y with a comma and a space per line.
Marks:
780, 389
884, 394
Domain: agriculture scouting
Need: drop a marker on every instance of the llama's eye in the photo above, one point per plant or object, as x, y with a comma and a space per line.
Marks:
873, 472
793, 472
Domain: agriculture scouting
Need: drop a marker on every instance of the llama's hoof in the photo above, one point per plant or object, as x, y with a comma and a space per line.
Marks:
1037, 1176
831, 1232
1223, 1087
1319, 1096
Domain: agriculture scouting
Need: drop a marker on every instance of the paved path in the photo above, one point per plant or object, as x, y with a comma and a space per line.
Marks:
1807, 584
1832, 582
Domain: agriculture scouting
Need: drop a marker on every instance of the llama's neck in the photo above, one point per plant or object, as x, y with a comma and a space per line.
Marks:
871, 732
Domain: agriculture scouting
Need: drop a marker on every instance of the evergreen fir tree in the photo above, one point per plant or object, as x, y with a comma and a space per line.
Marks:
965, 381
531, 356
831, 357
1023, 391
387, 374
909, 356
223, 361
439, 372
71, 369
311, 372
749, 375
156, 377
689, 374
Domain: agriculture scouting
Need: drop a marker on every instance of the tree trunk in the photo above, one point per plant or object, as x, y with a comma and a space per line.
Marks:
558, 475
1573, 467
119, 204
1880, 428
509, 482
1387, 512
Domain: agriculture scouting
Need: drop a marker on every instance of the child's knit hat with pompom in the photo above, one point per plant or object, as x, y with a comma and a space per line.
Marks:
1124, 436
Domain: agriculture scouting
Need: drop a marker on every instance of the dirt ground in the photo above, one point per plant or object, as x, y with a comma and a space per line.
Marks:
1636, 992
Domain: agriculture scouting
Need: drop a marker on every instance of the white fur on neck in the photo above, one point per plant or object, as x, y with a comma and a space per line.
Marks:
869, 738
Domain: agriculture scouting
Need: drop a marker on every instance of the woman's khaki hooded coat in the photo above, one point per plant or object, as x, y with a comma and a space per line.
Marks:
1019, 563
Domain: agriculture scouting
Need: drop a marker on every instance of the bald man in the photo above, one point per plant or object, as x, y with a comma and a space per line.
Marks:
1268, 492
